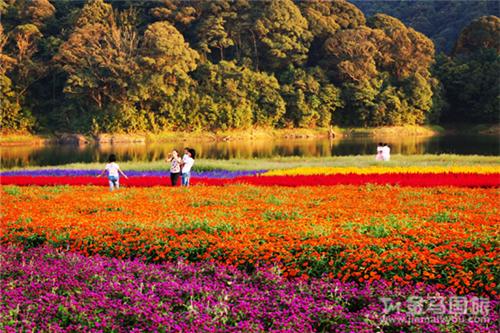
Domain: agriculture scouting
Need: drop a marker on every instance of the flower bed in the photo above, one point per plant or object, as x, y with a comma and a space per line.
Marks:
131, 173
405, 179
441, 236
45, 290
297, 250
476, 169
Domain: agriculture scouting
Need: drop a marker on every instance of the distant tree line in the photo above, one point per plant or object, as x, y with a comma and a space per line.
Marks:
127, 66
440, 20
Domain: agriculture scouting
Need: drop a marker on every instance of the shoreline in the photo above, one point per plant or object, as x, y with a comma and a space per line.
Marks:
334, 133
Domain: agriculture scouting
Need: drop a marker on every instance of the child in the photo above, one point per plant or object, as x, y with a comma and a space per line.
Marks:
175, 166
113, 173
187, 164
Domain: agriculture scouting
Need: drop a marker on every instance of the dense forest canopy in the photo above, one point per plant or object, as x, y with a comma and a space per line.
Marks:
129, 66
440, 20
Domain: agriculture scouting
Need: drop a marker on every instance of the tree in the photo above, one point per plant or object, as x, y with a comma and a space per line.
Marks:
384, 69
403, 51
164, 50
237, 97
211, 27
12, 117
441, 21
327, 17
38, 11
115, 75
179, 13
350, 54
283, 33
19, 70
310, 99
470, 77
483, 33
95, 12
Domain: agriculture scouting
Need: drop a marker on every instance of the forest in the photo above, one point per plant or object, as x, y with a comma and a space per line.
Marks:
170, 65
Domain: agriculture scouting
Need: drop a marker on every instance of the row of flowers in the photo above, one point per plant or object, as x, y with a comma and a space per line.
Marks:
302, 171
473, 169
131, 173
51, 291
405, 179
441, 235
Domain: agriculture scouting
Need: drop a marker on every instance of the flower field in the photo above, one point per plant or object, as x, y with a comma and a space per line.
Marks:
293, 250
69, 292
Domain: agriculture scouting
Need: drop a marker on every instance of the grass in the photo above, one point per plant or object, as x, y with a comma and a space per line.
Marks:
393, 131
293, 162
24, 139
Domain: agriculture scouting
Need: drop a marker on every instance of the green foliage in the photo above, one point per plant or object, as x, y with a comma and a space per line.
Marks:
310, 99
384, 69
283, 34
483, 33
128, 66
326, 17
237, 97
470, 78
118, 79
12, 116
441, 21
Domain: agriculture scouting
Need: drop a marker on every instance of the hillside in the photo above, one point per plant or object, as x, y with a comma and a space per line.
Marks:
442, 21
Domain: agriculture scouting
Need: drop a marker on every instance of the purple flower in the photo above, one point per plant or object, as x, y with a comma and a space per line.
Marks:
132, 173
47, 290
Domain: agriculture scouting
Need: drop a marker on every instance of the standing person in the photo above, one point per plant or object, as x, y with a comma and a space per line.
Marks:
380, 150
386, 152
175, 166
113, 170
187, 164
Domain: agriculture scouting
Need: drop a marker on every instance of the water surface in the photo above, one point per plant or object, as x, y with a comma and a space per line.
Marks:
63, 154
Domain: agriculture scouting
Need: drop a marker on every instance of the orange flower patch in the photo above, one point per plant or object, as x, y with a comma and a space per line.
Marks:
441, 235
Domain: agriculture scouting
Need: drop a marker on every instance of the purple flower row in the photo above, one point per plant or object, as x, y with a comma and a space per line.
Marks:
131, 173
46, 290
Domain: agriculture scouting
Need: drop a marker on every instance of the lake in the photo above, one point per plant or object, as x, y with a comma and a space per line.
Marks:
21, 156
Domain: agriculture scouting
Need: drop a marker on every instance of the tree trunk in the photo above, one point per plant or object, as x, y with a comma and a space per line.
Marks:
255, 51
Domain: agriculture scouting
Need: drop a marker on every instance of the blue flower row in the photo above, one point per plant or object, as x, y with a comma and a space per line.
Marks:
131, 173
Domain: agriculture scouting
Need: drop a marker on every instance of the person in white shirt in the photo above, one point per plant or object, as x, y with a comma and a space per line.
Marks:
380, 149
386, 152
113, 170
186, 165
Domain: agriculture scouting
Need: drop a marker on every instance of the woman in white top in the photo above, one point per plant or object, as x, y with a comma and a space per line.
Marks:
386, 152
380, 149
113, 170
175, 166
187, 164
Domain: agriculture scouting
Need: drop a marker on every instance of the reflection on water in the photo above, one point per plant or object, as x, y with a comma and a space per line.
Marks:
63, 154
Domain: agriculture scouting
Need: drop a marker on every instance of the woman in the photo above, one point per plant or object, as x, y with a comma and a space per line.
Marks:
175, 166
380, 149
386, 152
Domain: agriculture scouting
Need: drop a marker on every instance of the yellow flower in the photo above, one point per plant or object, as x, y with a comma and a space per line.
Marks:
383, 169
